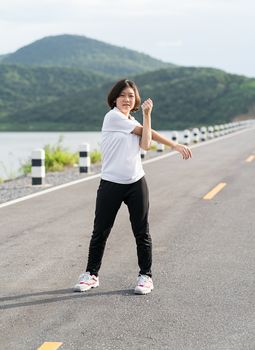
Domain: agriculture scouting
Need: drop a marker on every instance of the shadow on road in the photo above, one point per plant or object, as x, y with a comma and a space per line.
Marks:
57, 295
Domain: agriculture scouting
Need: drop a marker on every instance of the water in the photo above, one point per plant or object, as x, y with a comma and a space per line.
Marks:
16, 147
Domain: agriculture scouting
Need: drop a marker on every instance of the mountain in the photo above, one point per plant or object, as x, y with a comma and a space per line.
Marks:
190, 97
61, 83
183, 97
84, 53
25, 87
2, 57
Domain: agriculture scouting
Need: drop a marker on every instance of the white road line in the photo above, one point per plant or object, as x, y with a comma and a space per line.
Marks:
48, 190
170, 154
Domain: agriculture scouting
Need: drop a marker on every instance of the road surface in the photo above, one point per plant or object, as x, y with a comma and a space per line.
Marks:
203, 262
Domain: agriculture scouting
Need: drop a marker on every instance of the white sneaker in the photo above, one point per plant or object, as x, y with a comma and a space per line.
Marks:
144, 285
86, 282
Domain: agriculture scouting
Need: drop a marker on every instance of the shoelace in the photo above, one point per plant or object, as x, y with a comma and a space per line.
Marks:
85, 277
143, 279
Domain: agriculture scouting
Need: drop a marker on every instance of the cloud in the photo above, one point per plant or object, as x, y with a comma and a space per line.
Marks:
47, 11
187, 31
171, 43
66, 10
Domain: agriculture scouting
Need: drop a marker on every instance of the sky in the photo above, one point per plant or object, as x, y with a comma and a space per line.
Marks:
204, 33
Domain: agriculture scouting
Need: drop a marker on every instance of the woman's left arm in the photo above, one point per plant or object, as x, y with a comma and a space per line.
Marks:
156, 136
185, 151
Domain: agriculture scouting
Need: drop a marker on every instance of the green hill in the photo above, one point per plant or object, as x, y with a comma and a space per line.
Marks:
188, 97
2, 57
183, 97
84, 53
24, 87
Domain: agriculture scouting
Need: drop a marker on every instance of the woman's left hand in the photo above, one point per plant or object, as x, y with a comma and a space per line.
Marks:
147, 106
184, 150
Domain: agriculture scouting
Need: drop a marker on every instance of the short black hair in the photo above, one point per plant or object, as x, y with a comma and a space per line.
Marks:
118, 88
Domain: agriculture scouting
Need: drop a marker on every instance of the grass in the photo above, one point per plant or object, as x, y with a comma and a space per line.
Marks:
9, 173
153, 146
57, 158
95, 156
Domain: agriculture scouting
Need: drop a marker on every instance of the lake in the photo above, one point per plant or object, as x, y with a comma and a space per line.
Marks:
16, 147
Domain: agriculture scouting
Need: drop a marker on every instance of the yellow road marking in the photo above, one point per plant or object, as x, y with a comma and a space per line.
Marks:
250, 159
50, 346
214, 191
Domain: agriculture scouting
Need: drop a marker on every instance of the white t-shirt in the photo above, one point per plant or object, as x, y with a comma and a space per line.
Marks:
121, 161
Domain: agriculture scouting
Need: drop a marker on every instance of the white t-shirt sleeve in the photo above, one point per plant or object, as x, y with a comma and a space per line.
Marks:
116, 122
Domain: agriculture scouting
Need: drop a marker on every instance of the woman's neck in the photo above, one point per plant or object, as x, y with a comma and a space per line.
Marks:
126, 115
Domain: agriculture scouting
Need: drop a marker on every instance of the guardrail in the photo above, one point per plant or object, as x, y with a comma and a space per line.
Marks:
189, 136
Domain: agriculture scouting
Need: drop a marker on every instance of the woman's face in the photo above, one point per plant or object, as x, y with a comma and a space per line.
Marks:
126, 100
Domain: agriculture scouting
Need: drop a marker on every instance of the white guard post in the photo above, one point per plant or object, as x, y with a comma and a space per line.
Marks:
195, 135
186, 137
203, 132
160, 147
84, 162
175, 136
143, 153
210, 132
216, 131
222, 132
38, 167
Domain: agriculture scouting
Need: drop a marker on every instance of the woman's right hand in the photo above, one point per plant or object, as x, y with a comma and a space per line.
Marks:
184, 150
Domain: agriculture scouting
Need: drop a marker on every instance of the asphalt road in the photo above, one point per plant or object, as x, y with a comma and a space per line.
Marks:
203, 262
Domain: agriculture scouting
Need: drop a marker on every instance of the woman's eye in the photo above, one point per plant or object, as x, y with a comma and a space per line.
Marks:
129, 96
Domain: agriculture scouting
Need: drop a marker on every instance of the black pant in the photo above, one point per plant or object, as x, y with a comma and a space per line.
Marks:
110, 195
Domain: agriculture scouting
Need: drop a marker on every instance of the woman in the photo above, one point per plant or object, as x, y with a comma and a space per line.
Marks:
122, 180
